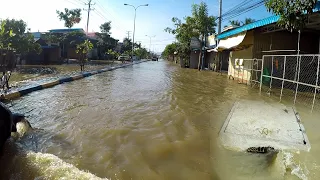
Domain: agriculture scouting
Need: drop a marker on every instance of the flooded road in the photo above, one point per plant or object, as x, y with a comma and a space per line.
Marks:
153, 120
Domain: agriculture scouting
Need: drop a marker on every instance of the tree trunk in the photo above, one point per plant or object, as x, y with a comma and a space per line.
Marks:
200, 55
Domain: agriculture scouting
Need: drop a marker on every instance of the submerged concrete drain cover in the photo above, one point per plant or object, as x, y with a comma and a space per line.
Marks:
260, 124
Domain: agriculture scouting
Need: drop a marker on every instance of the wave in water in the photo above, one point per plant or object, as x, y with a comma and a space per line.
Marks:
18, 163
289, 167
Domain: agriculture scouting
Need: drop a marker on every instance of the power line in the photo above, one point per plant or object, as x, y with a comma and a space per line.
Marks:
144, 40
240, 9
89, 9
104, 10
72, 2
106, 19
235, 7
128, 34
80, 1
242, 12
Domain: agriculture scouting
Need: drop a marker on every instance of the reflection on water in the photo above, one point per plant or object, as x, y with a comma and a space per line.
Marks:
150, 121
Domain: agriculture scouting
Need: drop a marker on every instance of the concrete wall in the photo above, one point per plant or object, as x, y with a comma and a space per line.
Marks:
239, 72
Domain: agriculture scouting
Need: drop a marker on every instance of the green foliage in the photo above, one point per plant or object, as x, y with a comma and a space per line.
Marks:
248, 21
114, 53
71, 39
169, 50
199, 25
106, 27
27, 44
241, 23
70, 17
53, 37
127, 45
105, 41
128, 53
74, 38
84, 47
13, 35
203, 23
293, 13
235, 23
142, 53
5, 35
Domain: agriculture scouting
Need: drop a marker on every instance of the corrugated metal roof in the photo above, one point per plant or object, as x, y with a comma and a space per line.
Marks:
250, 26
256, 24
66, 30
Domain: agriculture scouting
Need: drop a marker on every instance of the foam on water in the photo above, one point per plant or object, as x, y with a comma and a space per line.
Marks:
287, 164
23, 164
52, 167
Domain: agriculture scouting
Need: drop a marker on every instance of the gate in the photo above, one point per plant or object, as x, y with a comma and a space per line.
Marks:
294, 78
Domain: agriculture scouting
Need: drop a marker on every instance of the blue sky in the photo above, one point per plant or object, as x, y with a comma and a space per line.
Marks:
40, 15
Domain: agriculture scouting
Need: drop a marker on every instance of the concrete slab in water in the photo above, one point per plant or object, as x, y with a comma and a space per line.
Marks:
257, 123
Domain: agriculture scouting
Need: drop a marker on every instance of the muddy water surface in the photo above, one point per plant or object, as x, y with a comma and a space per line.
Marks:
152, 120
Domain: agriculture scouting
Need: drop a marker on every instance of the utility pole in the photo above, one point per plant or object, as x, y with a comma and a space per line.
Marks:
220, 18
150, 41
89, 9
128, 33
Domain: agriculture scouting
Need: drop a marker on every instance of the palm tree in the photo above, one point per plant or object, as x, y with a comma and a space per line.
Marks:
235, 23
248, 21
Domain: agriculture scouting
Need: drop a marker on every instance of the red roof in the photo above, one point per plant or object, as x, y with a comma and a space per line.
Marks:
91, 34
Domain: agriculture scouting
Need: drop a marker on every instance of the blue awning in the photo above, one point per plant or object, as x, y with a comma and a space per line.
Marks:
260, 23
247, 27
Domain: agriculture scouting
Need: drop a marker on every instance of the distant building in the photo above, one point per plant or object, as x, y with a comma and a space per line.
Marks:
68, 30
226, 28
50, 52
92, 35
68, 51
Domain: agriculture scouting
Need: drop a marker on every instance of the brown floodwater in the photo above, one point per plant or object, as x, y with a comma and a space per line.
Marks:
153, 120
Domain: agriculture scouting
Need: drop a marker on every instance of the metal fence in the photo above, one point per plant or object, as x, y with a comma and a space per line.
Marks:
246, 71
294, 78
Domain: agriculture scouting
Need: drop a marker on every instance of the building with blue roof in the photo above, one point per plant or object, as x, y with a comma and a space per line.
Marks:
53, 53
67, 30
264, 37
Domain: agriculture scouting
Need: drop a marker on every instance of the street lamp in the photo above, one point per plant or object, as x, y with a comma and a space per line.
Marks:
134, 22
150, 42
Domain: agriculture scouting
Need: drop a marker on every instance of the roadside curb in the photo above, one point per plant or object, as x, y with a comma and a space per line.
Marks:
16, 94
